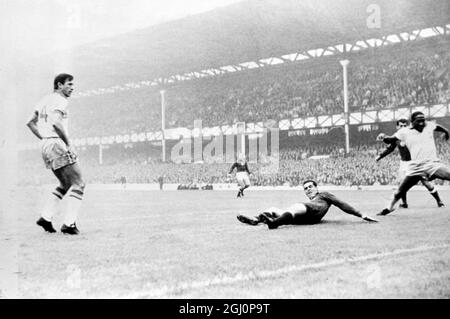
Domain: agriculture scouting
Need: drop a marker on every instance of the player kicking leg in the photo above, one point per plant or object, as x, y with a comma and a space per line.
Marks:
433, 191
438, 171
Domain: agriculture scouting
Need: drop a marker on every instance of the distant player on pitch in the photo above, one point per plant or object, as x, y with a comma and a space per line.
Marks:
424, 163
307, 213
242, 175
405, 157
49, 124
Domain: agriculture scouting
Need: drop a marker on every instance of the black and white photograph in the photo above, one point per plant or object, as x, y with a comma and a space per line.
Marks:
224, 149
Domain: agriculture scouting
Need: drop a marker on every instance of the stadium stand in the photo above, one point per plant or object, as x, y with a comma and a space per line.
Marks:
399, 74
419, 75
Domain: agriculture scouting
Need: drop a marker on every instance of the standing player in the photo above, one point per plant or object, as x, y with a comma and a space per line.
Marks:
424, 163
307, 213
405, 157
161, 182
242, 175
49, 124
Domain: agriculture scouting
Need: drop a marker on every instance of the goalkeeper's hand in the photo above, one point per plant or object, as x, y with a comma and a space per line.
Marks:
369, 219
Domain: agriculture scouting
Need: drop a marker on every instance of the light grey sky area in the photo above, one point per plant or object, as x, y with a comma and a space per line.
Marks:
30, 27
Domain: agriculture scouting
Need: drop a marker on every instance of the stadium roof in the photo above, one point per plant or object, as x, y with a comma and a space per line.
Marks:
253, 30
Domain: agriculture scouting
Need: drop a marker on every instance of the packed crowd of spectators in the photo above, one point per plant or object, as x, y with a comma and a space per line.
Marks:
295, 165
404, 74
399, 75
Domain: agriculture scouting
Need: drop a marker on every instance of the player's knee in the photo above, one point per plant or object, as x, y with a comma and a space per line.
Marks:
78, 184
272, 210
443, 173
81, 185
288, 214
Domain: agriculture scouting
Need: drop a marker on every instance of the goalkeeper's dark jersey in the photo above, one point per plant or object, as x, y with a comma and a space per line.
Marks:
319, 205
240, 167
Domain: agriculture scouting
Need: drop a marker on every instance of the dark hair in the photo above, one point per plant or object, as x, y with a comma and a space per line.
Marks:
310, 181
402, 120
416, 114
61, 78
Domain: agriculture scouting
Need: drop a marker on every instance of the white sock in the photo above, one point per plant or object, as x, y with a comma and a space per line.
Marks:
73, 206
52, 204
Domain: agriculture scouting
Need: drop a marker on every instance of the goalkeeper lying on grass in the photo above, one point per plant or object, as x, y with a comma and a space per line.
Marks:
303, 213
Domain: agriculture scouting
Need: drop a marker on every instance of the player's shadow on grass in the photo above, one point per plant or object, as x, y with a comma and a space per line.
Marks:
337, 222
323, 223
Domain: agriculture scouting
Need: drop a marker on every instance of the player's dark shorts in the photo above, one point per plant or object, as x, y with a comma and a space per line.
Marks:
56, 154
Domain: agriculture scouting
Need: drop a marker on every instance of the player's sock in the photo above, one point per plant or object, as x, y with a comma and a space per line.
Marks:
260, 218
73, 206
435, 194
404, 201
51, 207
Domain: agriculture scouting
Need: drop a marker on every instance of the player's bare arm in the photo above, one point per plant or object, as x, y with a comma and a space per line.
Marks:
389, 139
387, 151
59, 128
442, 129
32, 125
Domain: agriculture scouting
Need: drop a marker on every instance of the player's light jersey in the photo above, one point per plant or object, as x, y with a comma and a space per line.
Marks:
421, 145
46, 108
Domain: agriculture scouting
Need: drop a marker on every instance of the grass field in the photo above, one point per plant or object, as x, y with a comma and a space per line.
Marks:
189, 244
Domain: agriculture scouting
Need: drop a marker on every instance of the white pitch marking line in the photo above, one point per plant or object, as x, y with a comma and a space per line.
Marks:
264, 274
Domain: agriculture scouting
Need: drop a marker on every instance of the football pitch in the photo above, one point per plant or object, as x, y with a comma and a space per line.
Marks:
189, 244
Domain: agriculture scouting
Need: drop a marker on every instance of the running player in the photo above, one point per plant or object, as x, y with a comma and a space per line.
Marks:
405, 157
419, 139
242, 175
49, 124
307, 213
